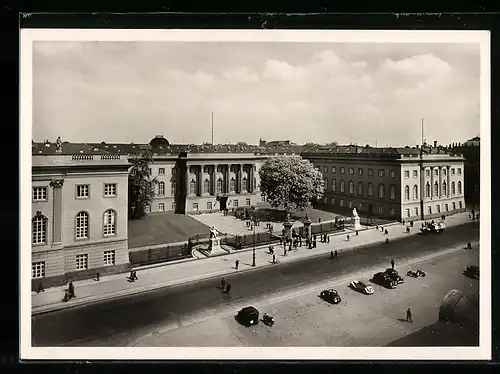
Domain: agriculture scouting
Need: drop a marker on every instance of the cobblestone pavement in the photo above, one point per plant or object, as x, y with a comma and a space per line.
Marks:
359, 320
150, 278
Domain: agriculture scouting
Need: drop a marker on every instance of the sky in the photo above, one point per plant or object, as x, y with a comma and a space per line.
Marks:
369, 93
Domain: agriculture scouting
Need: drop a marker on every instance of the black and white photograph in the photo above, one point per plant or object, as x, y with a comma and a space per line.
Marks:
265, 194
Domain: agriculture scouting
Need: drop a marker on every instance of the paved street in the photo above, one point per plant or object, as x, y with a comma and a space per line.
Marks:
123, 321
359, 320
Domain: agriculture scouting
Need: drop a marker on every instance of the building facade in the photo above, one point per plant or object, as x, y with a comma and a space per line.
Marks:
391, 183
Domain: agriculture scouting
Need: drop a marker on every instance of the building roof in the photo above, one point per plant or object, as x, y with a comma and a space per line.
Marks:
370, 151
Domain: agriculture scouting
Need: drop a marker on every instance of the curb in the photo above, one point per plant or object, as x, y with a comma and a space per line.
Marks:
207, 276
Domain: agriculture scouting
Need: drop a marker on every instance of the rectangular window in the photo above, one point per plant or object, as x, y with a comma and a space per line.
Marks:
360, 206
248, 202
460, 205
110, 189
161, 189
334, 185
351, 171
173, 188
325, 200
351, 204
161, 207
392, 173
407, 174
427, 173
415, 173
39, 193
407, 212
174, 171
82, 191
82, 262
360, 171
325, 169
416, 211
436, 172
429, 210
454, 205
334, 169
341, 202
235, 203
209, 205
38, 269
195, 207
459, 171
109, 258
444, 172
392, 212
453, 171
445, 207
381, 210
333, 201
370, 172
342, 170
161, 171
381, 172
438, 208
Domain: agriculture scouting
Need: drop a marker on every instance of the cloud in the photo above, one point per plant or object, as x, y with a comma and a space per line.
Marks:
321, 93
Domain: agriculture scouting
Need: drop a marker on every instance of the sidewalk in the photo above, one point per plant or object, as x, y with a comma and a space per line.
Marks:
150, 278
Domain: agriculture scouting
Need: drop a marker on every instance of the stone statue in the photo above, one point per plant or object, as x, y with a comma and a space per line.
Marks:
58, 144
214, 232
355, 213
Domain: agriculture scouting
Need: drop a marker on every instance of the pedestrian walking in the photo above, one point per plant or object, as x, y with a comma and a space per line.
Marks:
328, 238
223, 283
274, 258
40, 288
386, 232
71, 289
336, 255
348, 238
392, 264
228, 287
135, 275
469, 245
236, 264
97, 277
408, 316
357, 232
331, 255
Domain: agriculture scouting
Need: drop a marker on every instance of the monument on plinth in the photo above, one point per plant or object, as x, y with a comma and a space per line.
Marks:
307, 227
213, 248
356, 220
287, 225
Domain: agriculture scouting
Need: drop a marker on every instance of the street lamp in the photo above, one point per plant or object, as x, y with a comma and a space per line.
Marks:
253, 254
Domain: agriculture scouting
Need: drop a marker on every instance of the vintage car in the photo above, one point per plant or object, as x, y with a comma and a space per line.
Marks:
472, 272
361, 287
416, 273
394, 275
248, 316
384, 280
433, 227
330, 295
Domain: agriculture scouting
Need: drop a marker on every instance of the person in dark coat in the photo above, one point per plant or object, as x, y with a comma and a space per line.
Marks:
236, 264
336, 255
71, 289
392, 264
223, 283
228, 287
40, 288
274, 258
408, 316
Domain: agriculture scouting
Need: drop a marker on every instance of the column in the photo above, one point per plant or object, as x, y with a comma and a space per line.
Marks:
440, 189
240, 179
188, 179
204, 176
250, 177
432, 183
448, 187
57, 207
215, 177
226, 179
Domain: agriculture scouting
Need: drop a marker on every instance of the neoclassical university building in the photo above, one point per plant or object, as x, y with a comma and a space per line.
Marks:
80, 191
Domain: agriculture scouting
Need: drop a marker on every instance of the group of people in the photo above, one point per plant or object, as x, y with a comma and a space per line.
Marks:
225, 285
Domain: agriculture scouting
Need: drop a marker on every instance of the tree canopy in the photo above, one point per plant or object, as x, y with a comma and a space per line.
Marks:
141, 186
290, 182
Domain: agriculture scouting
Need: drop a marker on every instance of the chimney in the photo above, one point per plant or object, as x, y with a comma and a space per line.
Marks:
435, 143
418, 146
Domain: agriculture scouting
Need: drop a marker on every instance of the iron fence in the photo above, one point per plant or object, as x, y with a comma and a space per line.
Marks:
162, 254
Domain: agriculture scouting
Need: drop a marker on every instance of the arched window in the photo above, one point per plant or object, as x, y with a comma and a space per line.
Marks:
231, 185
244, 184
342, 186
407, 192
334, 185
436, 189
82, 225
381, 191
192, 187
370, 189
360, 189
161, 189
444, 188
415, 192
427, 190
351, 187
392, 192
219, 185
109, 224
174, 188
39, 229
206, 186
453, 188
459, 188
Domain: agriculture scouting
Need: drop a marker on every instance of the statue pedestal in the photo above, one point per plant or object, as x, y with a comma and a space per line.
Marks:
214, 248
307, 228
357, 224
288, 229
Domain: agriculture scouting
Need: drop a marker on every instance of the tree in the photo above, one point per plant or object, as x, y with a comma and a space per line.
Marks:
141, 186
290, 182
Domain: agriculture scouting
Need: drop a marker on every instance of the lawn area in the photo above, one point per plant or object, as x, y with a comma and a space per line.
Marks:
266, 213
159, 228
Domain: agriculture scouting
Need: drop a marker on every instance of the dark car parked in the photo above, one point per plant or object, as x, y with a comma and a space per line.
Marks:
330, 295
394, 275
472, 272
384, 279
248, 316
